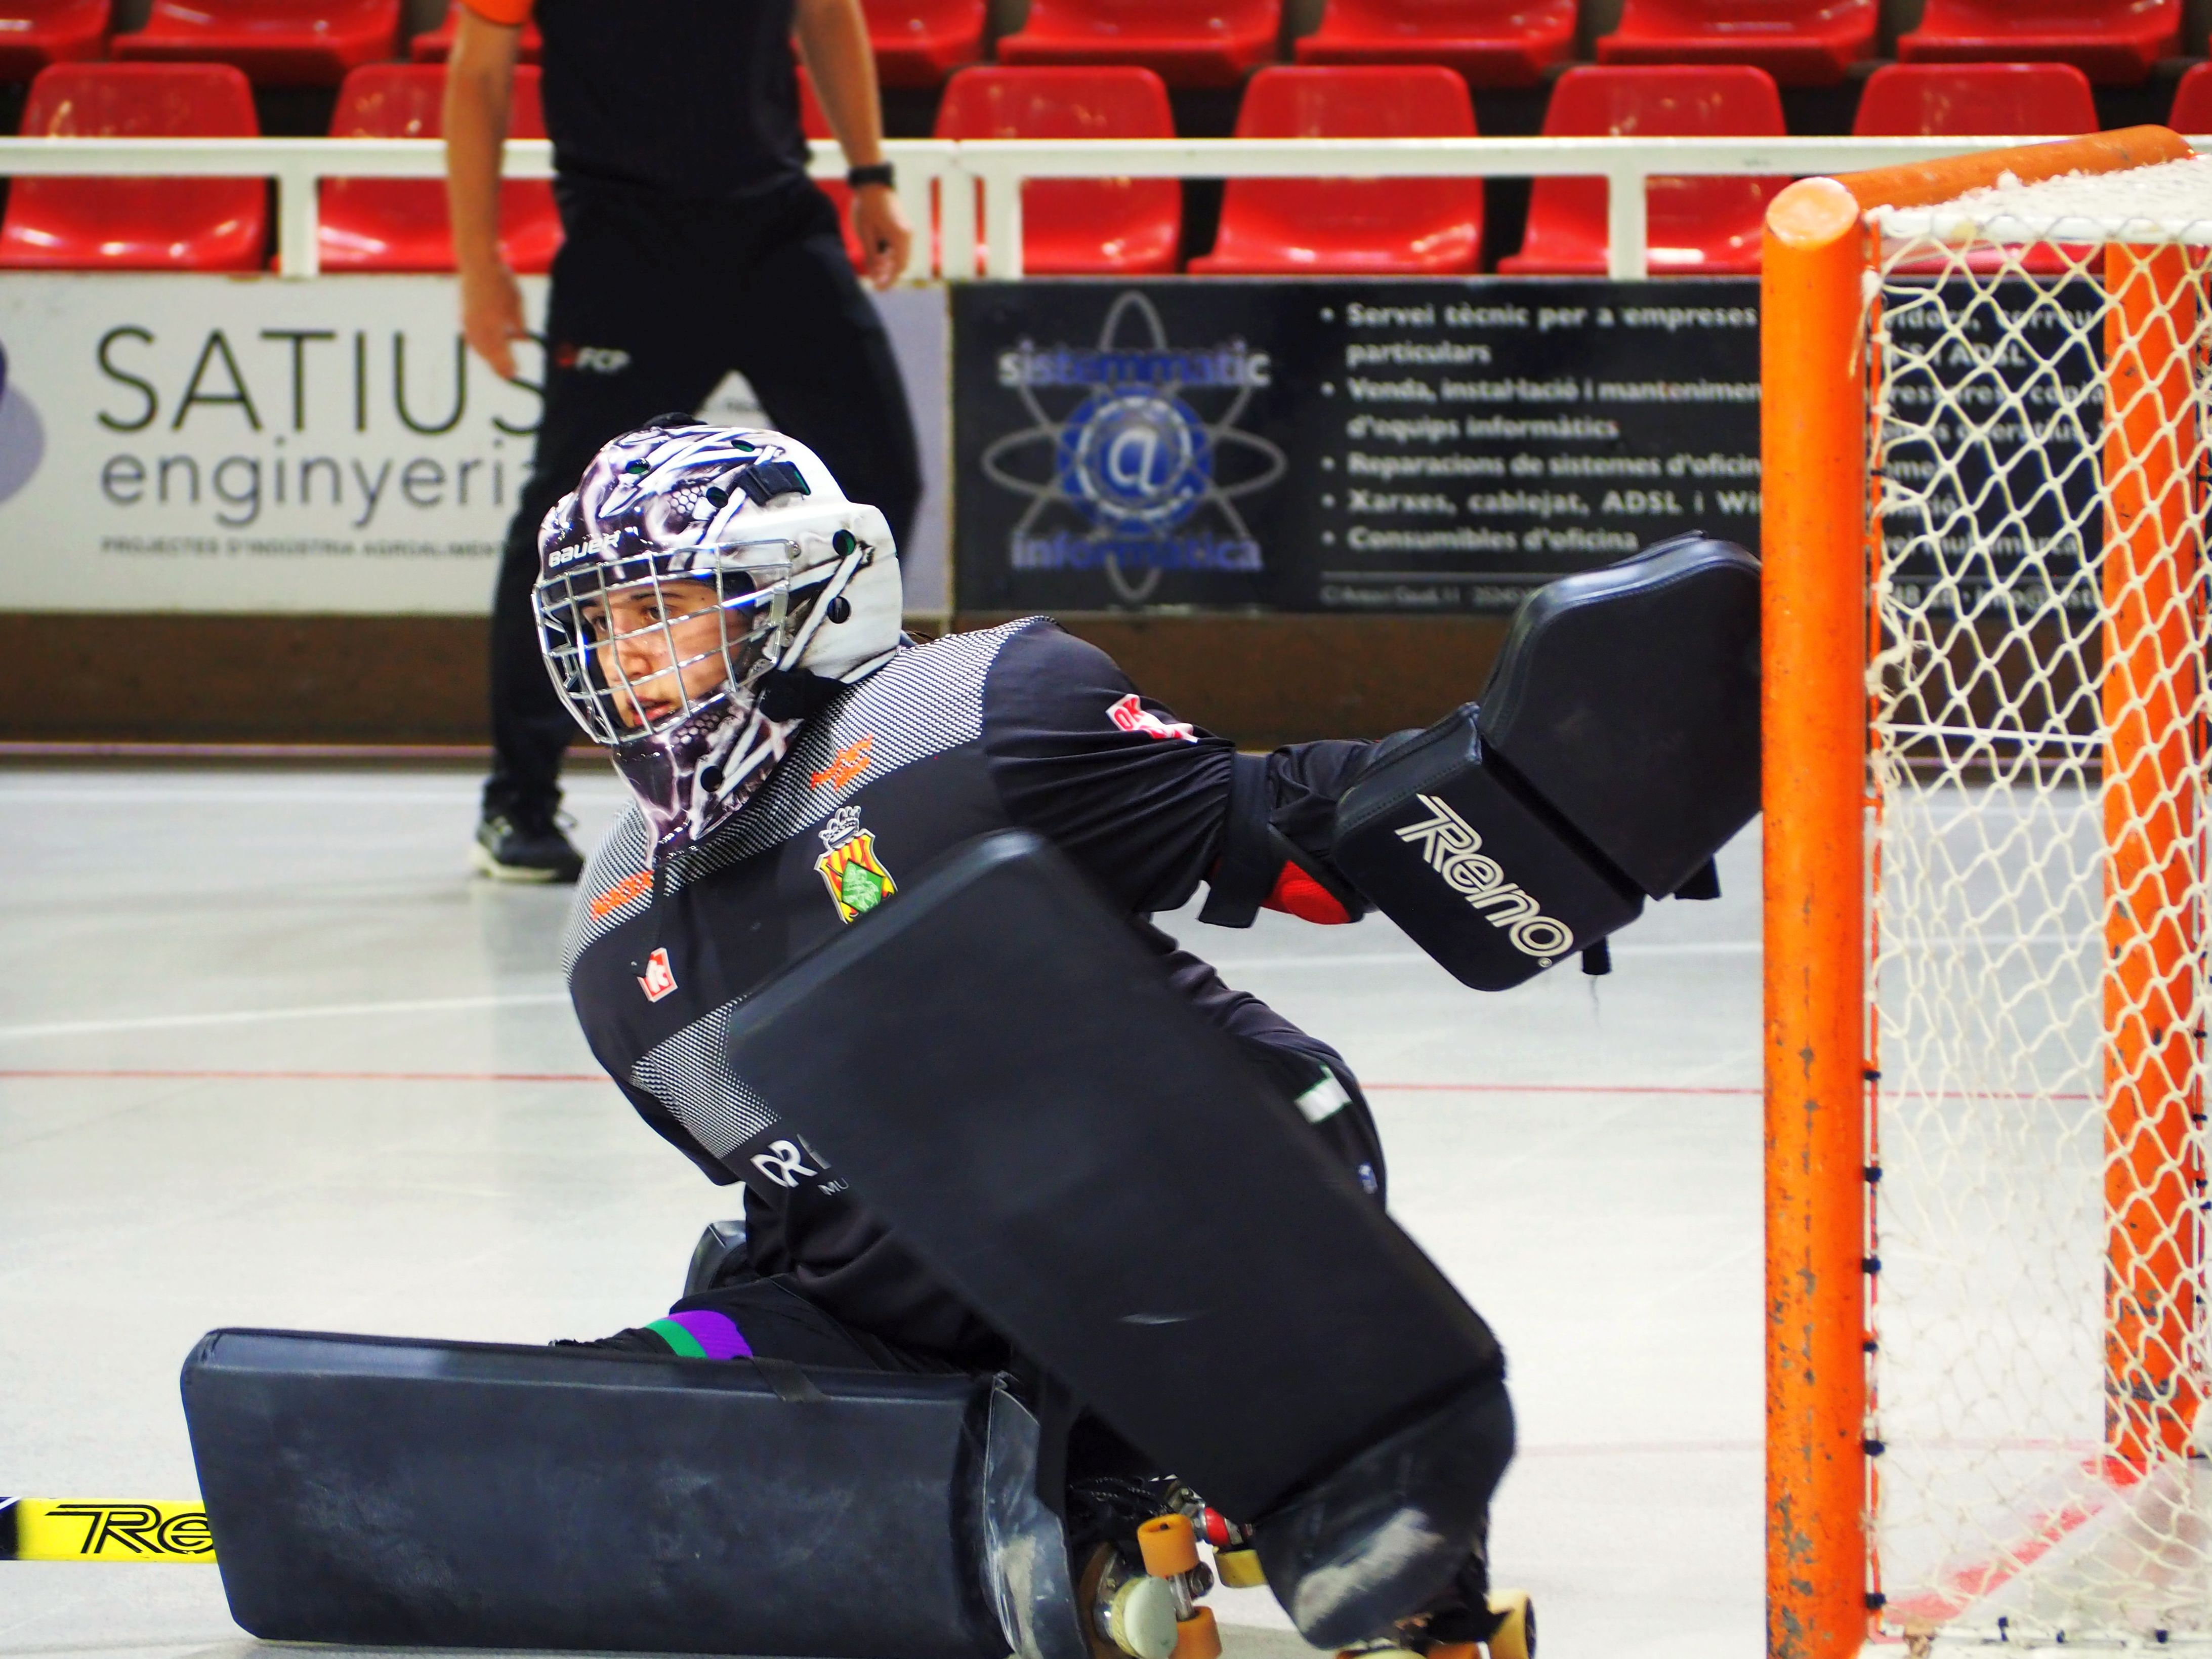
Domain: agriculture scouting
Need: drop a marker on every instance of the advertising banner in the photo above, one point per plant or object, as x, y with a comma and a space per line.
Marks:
1409, 445
171, 442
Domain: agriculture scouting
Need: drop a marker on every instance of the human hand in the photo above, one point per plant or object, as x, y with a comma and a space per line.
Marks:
491, 313
884, 235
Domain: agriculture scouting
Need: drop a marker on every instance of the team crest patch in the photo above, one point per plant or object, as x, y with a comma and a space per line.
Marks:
659, 979
855, 877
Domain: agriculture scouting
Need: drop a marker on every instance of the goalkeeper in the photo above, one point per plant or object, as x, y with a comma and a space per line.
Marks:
717, 613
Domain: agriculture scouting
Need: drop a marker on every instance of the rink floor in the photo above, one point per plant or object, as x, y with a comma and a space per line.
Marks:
270, 1056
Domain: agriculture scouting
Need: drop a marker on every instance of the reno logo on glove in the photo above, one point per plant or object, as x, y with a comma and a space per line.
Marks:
1454, 850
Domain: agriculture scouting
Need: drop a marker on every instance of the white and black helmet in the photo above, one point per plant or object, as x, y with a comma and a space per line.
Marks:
805, 584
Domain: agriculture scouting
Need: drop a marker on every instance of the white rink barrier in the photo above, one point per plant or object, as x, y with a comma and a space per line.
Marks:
1000, 166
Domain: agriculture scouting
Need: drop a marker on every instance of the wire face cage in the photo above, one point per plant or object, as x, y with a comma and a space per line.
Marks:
2038, 360
638, 643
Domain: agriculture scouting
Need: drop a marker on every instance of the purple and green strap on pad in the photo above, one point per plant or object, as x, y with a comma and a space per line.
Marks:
701, 1333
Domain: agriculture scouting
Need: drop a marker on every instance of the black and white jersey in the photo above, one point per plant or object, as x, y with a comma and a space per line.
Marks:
1019, 725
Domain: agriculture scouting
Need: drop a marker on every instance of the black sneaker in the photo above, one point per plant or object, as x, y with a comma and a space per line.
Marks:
517, 844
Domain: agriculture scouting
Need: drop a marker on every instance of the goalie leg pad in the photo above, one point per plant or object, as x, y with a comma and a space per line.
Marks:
1042, 1119
374, 1490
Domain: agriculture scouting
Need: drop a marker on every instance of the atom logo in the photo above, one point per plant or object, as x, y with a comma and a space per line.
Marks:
1133, 459
1136, 461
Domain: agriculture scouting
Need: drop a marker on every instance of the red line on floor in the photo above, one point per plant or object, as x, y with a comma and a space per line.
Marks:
127, 1074
163, 1074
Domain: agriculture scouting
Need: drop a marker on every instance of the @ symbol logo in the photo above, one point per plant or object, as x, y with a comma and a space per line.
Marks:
1135, 458
1144, 473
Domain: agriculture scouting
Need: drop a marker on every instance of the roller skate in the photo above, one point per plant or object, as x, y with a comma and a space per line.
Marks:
1140, 1574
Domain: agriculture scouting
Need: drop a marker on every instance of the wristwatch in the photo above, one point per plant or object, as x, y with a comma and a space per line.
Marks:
877, 173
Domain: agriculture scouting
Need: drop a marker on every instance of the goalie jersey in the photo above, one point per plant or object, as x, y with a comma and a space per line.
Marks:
1021, 726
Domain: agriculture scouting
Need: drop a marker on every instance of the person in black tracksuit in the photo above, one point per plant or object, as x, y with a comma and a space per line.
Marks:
695, 244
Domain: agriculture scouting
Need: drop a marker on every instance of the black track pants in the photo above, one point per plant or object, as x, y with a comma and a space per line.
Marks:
653, 303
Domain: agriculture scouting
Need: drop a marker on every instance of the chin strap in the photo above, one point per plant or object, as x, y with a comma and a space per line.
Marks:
793, 694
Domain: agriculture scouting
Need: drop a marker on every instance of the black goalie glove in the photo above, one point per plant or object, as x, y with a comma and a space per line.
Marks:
1613, 753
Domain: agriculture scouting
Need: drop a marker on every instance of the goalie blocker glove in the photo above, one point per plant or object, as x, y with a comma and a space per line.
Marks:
1613, 752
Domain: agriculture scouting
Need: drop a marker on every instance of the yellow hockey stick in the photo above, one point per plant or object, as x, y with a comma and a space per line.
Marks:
79, 1529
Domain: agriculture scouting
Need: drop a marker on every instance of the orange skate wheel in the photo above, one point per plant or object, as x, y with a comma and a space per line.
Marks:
1453, 1650
1198, 1636
1240, 1569
1168, 1546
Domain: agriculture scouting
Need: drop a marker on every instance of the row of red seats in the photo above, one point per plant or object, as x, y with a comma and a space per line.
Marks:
1215, 43
223, 224
1503, 43
1071, 226
1268, 225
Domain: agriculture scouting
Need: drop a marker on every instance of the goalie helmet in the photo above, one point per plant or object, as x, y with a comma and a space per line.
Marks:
702, 590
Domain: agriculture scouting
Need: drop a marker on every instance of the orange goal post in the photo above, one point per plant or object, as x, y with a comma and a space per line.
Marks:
1987, 401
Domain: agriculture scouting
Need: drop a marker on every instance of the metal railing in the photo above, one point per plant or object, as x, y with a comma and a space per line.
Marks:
947, 180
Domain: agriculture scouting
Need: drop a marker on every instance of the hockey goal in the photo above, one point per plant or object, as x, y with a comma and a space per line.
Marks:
1986, 402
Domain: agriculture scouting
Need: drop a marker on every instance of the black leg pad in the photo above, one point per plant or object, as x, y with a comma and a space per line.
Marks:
1003, 1073
378, 1492
1383, 1535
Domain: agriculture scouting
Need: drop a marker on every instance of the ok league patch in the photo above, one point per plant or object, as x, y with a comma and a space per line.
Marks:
1131, 715
659, 979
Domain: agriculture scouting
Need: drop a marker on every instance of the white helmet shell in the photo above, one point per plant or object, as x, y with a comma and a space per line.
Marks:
805, 582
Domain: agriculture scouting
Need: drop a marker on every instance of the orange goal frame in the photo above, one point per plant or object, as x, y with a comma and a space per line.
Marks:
1817, 530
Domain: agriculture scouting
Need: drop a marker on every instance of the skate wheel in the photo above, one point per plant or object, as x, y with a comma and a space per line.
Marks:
1239, 1568
1198, 1636
1142, 1620
1453, 1650
1515, 1638
1168, 1545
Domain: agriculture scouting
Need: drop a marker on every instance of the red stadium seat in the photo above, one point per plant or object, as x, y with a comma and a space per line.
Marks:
1946, 100
435, 46
2112, 41
816, 124
1077, 227
279, 43
1187, 43
1801, 43
919, 42
36, 32
2192, 101
1367, 227
402, 224
137, 224
1493, 43
1698, 227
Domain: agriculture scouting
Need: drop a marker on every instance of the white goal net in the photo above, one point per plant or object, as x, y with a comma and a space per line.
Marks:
2039, 882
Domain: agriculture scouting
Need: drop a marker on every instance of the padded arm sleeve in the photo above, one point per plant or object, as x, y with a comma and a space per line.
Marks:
1130, 792
1152, 804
